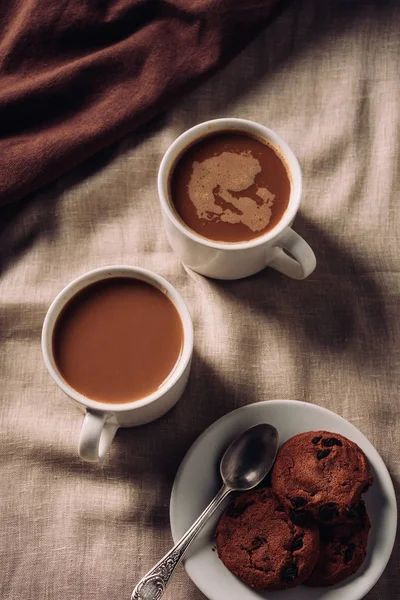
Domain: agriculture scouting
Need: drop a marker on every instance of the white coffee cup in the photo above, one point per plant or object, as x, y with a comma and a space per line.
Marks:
222, 260
102, 420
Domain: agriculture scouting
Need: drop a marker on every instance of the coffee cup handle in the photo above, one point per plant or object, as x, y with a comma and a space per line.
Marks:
303, 262
96, 436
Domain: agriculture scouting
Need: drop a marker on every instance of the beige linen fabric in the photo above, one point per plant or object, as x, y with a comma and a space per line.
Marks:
326, 77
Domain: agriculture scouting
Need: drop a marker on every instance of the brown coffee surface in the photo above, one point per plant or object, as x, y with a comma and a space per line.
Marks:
230, 187
117, 340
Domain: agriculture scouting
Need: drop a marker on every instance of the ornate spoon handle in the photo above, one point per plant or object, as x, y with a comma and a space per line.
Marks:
153, 584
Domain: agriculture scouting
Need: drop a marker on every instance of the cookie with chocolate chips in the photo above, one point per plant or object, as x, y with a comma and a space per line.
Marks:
343, 551
259, 543
322, 475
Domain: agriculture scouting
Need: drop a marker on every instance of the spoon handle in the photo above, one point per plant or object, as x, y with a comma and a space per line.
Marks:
153, 584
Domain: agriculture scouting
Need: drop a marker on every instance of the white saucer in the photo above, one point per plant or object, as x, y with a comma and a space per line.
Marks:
198, 480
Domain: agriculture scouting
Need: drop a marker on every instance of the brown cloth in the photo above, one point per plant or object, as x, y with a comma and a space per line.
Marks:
76, 76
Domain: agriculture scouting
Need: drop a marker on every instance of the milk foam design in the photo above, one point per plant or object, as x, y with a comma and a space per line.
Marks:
225, 175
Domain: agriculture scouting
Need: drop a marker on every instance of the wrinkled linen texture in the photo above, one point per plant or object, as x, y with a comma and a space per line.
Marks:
326, 77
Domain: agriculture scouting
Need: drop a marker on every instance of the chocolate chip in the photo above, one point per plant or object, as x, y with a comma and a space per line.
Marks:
235, 511
296, 544
356, 511
257, 542
299, 517
352, 513
289, 573
316, 440
323, 454
280, 508
349, 552
328, 442
328, 512
298, 501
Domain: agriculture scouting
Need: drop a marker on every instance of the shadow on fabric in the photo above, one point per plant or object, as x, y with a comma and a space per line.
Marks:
339, 308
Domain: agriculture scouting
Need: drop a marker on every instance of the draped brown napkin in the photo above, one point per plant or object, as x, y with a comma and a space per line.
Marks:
76, 76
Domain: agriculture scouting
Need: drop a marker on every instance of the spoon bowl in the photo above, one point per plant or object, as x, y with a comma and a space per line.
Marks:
249, 458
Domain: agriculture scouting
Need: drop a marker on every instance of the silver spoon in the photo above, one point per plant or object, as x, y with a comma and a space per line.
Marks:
243, 466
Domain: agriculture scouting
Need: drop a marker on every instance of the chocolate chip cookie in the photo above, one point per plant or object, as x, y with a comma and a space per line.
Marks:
343, 551
323, 475
257, 541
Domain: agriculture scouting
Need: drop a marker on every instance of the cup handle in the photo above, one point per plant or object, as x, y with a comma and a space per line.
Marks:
304, 261
96, 436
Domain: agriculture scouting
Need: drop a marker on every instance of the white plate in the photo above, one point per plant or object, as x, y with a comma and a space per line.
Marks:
198, 480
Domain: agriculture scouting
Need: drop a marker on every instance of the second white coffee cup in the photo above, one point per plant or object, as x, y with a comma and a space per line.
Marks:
240, 259
101, 419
